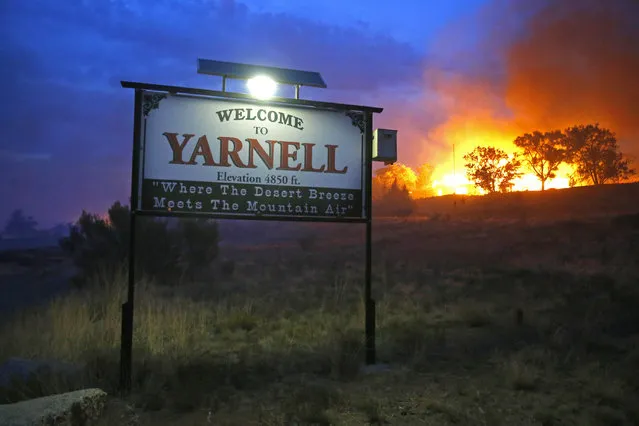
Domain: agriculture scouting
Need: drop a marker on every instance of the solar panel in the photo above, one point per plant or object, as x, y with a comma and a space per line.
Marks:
245, 71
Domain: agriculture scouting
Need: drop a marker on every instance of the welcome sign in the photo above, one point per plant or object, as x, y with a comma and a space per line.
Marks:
229, 157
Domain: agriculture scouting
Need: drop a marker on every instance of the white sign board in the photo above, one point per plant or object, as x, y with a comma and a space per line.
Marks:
222, 157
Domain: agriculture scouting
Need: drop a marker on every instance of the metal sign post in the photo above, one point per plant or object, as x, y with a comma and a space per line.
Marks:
126, 340
205, 153
369, 302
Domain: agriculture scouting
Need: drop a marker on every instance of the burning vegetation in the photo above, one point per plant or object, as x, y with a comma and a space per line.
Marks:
579, 155
550, 104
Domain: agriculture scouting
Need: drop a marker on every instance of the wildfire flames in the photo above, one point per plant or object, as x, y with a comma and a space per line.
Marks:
547, 74
453, 183
449, 176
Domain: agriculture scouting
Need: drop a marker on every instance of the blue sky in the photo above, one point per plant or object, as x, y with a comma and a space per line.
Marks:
67, 127
67, 123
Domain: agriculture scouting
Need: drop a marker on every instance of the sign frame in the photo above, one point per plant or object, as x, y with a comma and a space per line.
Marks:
364, 116
152, 95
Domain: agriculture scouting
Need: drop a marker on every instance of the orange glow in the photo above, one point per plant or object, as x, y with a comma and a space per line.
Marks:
449, 176
453, 184
530, 182
552, 78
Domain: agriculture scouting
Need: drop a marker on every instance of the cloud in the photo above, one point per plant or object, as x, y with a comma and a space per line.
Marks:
516, 65
18, 157
165, 37
577, 63
64, 60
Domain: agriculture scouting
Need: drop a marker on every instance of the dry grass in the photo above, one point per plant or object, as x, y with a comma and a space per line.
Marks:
277, 338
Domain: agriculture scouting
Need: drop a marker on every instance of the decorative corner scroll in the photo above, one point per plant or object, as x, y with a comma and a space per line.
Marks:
357, 118
151, 102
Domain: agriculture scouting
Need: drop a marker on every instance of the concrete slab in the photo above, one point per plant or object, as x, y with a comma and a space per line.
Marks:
71, 408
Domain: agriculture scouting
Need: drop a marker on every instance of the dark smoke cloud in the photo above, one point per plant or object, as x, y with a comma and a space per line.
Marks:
540, 65
579, 62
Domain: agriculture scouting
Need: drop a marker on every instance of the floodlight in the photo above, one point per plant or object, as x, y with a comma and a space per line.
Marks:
295, 78
261, 86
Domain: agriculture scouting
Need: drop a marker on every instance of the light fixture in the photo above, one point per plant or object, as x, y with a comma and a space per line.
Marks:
261, 86
234, 70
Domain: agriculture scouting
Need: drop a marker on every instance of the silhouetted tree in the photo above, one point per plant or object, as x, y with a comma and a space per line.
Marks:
163, 252
595, 153
424, 182
492, 169
418, 182
200, 237
543, 153
378, 188
396, 172
396, 202
20, 224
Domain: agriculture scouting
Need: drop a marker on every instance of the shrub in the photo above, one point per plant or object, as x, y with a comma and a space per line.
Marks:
396, 202
164, 252
200, 243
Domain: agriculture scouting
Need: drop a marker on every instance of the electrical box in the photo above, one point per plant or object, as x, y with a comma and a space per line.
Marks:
385, 145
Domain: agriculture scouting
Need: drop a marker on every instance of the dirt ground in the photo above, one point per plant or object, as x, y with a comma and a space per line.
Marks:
481, 320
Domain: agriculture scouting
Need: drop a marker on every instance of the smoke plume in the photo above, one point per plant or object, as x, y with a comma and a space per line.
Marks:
535, 65
578, 63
